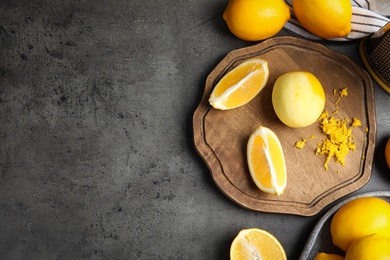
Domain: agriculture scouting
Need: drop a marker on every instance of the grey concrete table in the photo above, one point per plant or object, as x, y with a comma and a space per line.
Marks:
96, 153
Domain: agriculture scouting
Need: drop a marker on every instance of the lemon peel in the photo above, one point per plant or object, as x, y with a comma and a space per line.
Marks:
339, 139
300, 144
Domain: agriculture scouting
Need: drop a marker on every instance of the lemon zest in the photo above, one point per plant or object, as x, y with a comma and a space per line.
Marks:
340, 94
343, 92
300, 144
339, 139
356, 122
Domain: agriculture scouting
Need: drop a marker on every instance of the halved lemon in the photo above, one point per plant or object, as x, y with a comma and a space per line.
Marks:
266, 161
240, 85
254, 243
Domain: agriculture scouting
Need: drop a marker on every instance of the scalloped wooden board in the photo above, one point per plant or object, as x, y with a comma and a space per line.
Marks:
220, 137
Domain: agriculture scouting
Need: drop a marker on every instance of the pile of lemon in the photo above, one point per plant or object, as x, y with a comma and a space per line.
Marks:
361, 228
255, 20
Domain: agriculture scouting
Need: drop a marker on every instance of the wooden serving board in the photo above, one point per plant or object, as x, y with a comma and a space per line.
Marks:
221, 136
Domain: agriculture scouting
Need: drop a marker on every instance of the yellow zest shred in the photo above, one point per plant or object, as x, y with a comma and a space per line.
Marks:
343, 92
340, 94
356, 122
339, 139
300, 144
336, 110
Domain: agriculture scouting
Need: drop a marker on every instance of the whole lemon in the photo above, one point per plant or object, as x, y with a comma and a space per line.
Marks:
325, 256
324, 18
369, 247
358, 218
255, 20
298, 98
387, 153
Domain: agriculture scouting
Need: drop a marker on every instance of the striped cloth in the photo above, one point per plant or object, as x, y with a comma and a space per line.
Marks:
368, 16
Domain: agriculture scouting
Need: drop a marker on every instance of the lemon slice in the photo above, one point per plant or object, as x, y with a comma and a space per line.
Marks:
240, 85
253, 244
266, 161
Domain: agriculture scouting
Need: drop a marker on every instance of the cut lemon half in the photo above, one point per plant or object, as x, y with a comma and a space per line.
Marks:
266, 161
240, 85
254, 244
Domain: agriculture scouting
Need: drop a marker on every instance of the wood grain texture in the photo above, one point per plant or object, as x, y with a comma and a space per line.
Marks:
221, 136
